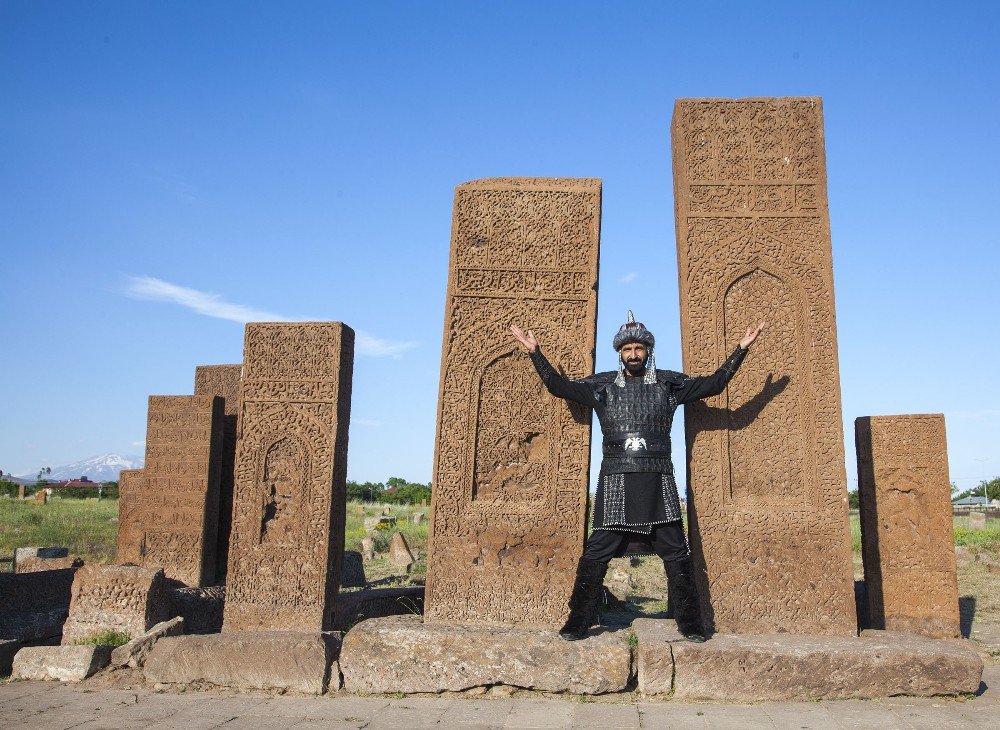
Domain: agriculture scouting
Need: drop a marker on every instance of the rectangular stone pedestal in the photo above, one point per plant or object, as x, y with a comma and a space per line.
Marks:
242, 660
748, 668
402, 654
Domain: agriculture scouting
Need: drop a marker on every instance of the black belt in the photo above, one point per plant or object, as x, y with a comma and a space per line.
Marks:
637, 444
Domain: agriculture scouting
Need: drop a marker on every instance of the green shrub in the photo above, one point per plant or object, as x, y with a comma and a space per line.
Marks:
109, 637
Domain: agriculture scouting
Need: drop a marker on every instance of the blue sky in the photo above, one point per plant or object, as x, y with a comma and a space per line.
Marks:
169, 169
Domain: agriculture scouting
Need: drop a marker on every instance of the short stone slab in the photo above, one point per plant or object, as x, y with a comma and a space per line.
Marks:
134, 653
64, 663
402, 654
747, 668
354, 606
242, 660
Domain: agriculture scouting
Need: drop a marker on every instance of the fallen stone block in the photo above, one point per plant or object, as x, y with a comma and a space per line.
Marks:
201, 608
134, 653
244, 660
39, 564
757, 668
402, 654
354, 606
64, 663
23, 553
123, 598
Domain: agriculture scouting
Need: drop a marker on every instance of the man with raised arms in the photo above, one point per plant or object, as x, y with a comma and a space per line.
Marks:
636, 509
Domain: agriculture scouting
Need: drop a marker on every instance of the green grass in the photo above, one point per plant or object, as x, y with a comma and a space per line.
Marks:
987, 540
109, 637
88, 528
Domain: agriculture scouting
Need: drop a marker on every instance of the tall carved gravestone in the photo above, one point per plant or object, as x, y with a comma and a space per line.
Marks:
512, 462
907, 537
129, 527
289, 503
223, 381
769, 517
177, 502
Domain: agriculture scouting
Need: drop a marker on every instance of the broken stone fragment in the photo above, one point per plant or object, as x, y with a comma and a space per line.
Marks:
63, 663
134, 653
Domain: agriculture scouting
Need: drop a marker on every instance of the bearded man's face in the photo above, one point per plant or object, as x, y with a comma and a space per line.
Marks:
634, 356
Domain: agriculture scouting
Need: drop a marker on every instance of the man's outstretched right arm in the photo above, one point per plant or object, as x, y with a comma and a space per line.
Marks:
555, 383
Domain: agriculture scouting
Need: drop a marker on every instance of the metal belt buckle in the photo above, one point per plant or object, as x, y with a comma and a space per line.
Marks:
634, 443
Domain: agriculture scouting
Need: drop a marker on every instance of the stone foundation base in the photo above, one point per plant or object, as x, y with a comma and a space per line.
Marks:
402, 654
749, 668
242, 660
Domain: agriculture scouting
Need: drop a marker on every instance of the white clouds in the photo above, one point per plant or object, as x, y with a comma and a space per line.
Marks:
138, 443
205, 303
628, 278
214, 305
370, 422
372, 346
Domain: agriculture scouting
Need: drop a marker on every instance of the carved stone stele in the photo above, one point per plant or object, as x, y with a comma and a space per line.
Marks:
511, 462
129, 526
287, 543
223, 381
907, 538
174, 511
769, 522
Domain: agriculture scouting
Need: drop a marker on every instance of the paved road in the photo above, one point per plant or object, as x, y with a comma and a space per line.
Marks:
56, 706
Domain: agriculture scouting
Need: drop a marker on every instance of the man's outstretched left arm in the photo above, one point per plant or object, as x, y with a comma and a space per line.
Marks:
692, 389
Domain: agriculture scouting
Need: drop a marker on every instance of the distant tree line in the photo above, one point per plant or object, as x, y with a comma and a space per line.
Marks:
395, 490
990, 490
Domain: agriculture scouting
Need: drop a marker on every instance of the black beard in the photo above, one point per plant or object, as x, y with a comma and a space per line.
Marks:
637, 369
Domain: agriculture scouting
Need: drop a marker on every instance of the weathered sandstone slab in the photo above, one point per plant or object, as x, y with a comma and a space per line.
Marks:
121, 598
242, 660
64, 663
201, 608
747, 668
769, 527
34, 605
39, 564
24, 553
511, 461
353, 573
289, 499
134, 653
223, 381
907, 537
401, 654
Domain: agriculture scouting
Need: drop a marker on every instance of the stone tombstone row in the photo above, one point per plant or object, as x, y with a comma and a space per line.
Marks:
769, 523
511, 462
287, 543
223, 381
168, 511
908, 542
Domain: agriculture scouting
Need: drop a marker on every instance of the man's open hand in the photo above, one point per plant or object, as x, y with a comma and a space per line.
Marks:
751, 335
527, 339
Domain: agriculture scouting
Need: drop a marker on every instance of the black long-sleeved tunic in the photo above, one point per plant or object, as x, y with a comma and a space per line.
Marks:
636, 488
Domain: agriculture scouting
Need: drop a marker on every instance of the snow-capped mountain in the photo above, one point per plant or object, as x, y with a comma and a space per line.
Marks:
103, 468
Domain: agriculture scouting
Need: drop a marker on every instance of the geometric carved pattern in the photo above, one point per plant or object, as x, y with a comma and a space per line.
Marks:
287, 543
174, 512
766, 457
511, 461
223, 381
907, 536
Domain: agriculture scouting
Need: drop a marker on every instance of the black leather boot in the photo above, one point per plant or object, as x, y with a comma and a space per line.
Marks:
683, 596
587, 592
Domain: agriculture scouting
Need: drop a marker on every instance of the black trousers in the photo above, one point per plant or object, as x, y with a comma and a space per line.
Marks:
667, 540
